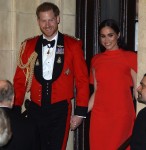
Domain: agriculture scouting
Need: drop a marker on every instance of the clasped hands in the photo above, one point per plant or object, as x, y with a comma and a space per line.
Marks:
75, 122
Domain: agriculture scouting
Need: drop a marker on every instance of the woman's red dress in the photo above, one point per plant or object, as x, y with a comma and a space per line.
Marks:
113, 113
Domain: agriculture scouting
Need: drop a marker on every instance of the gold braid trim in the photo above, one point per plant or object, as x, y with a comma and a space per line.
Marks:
29, 66
31, 71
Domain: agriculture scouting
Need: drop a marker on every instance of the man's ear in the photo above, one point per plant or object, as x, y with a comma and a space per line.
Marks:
58, 19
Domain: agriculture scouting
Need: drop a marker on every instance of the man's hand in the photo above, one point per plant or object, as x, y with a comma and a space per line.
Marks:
75, 122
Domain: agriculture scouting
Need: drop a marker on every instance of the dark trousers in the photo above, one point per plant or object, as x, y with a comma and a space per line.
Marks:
53, 124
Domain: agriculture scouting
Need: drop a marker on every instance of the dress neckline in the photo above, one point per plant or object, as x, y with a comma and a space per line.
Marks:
113, 51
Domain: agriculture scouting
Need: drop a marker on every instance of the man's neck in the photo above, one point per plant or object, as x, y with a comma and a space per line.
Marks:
52, 38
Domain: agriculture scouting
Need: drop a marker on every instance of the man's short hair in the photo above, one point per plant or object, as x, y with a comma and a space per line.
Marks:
6, 91
5, 128
46, 6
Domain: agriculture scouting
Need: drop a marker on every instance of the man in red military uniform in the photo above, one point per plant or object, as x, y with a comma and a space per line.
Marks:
48, 67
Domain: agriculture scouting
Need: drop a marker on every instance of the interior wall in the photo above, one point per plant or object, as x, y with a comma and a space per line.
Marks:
18, 22
141, 43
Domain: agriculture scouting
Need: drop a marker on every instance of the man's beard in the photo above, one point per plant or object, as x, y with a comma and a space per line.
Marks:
140, 99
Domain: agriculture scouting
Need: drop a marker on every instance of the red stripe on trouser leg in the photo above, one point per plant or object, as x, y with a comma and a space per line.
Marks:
67, 127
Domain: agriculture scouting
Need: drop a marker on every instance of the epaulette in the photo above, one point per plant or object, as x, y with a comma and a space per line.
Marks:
72, 37
28, 39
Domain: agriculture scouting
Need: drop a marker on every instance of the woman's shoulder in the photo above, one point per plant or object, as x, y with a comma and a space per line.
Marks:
96, 58
129, 52
131, 58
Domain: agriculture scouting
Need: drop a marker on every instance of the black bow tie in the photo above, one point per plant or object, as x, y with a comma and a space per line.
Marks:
48, 43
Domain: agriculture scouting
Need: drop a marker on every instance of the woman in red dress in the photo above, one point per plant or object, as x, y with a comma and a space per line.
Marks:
113, 74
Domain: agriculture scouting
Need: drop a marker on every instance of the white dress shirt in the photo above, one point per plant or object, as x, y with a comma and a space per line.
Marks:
48, 59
